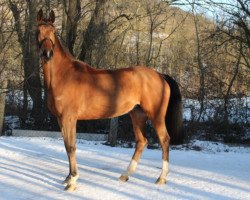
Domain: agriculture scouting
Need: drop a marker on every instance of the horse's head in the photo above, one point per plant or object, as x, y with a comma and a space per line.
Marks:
46, 35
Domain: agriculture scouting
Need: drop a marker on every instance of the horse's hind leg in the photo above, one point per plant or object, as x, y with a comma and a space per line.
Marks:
139, 125
68, 127
164, 140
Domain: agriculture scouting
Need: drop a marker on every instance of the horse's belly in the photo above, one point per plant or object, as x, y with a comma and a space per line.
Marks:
101, 111
112, 97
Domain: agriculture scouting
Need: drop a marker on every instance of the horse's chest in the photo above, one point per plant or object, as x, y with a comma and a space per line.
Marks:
55, 104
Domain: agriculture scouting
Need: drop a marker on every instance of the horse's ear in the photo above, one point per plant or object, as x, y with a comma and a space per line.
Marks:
52, 16
39, 17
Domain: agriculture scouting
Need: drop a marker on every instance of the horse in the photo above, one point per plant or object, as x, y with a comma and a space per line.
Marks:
77, 91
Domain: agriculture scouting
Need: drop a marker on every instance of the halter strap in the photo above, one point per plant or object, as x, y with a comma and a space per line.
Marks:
41, 42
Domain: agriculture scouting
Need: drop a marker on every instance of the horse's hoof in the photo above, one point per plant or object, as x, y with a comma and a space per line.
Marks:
161, 181
70, 180
70, 188
123, 178
66, 182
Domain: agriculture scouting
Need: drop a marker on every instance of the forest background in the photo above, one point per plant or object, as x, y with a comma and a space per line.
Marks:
204, 45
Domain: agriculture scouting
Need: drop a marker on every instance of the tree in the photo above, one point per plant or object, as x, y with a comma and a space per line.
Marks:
231, 17
6, 43
94, 36
72, 10
112, 137
157, 19
237, 17
3, 90
200, 64
27, 39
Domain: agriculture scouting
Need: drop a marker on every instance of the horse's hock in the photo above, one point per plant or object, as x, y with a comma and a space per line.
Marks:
34, 133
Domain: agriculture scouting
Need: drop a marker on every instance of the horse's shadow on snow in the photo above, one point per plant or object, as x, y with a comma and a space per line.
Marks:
96, 169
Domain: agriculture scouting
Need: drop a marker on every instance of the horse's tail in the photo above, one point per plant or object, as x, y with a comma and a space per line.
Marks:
173, 118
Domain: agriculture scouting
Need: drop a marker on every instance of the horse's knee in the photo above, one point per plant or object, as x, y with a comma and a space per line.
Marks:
140, 144
166, 138
145, 141
163, 135
142, 141
70, 149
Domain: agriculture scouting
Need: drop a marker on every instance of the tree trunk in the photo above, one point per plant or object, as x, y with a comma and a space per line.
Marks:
73, 15
112, 137
94, 34
31, 63
149, 53
64, 22
27, 40
2, 104
226, 97
23, 115
201, 95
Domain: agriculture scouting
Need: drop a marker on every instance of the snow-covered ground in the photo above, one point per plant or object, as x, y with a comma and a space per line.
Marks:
33, 168
239, 109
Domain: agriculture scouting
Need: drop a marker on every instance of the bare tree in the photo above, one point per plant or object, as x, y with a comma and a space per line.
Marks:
200, 64
94, 36
112, 137
27, 39
72, 11
157, 18
237, 15
3, 91
6, 35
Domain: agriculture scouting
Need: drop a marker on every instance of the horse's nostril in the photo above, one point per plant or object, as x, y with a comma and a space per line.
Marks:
45, 53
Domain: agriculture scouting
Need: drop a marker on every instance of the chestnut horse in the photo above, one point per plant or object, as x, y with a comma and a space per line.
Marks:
77, 91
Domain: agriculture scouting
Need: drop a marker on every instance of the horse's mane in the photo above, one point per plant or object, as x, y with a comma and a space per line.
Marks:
63, 47
79, 63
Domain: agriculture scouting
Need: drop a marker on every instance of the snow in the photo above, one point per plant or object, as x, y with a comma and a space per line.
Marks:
214, 147
239, 111
33, 168
12, 121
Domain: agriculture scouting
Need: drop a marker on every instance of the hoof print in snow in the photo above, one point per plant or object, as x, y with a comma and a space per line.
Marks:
161, 181
123, 178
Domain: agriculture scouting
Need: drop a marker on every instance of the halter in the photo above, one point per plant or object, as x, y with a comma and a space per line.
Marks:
41, 43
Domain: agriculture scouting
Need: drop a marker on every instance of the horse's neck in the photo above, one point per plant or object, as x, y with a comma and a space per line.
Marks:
53, 69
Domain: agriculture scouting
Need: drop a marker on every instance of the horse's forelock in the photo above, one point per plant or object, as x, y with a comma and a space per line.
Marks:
45, 22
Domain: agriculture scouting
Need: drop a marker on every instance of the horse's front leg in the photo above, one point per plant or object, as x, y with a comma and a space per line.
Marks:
68, 127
